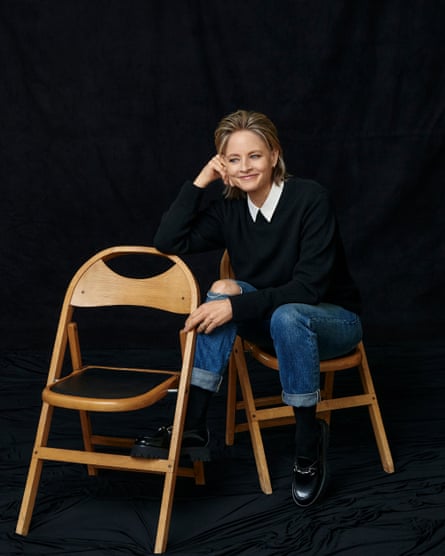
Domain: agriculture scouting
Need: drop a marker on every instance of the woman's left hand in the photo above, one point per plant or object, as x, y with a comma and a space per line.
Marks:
209, 315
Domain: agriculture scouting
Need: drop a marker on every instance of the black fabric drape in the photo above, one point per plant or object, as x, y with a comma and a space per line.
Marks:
365, 511
107, 106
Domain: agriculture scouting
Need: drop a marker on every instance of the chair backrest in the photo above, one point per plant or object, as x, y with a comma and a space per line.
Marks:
225, 268
95, 284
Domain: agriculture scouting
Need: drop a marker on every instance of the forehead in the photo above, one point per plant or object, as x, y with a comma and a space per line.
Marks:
244, 141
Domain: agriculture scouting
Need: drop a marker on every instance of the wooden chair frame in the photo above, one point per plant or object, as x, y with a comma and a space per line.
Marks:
269, 411
96, 285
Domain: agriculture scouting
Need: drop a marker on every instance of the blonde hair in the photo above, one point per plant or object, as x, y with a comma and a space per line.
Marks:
257, 123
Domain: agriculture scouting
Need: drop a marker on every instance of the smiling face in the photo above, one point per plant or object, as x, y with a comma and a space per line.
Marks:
249, 163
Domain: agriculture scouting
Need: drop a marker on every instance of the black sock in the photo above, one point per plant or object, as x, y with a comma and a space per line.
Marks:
198, 404
306, 432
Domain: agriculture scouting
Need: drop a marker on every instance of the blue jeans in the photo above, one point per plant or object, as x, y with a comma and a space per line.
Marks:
301, 336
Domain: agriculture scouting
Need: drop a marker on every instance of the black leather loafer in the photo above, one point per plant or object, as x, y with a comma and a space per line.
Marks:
309, 477
195, 444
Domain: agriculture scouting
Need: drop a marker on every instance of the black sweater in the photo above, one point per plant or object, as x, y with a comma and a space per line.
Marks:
296, 258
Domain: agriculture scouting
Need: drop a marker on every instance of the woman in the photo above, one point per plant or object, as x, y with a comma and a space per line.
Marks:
293, 290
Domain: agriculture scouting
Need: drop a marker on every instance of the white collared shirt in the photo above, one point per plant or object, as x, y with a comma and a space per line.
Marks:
269, 205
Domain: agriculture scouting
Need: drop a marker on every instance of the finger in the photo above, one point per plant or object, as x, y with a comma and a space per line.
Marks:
203, 328
195, 320
209, 327
190, 323
219, 165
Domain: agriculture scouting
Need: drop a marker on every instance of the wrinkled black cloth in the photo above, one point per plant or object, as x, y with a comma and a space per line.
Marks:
365, 511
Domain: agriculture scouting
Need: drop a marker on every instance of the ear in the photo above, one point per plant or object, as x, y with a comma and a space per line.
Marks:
275, 156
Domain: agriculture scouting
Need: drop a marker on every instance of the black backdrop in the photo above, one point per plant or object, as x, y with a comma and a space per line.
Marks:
107, 106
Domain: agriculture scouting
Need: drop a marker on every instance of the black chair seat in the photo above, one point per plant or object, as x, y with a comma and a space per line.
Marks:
109, 384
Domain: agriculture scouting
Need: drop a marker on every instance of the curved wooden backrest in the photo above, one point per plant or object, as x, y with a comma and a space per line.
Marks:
225, 268
96, 285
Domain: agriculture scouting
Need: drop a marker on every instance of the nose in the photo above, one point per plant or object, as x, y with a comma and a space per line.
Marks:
245, 164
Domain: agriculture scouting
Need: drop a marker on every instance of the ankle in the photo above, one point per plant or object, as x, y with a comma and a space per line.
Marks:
306, 433
198, 404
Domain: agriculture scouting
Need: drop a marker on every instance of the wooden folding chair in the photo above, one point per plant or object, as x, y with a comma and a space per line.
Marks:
98, 388
269, 411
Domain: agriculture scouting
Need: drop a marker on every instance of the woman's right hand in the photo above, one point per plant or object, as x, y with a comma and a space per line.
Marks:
213, 170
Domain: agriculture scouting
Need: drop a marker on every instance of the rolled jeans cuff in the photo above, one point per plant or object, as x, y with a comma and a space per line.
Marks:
206, 379
302, 400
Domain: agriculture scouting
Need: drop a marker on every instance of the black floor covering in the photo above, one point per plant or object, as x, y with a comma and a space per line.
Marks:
366, 512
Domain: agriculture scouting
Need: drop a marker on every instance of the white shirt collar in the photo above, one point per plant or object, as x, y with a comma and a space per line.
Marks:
269, 205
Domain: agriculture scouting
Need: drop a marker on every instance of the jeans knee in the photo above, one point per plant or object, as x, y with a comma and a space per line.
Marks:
225, 287
286, 318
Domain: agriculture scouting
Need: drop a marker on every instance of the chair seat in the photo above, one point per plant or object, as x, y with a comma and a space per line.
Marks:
123, 390
268, 357
119, 384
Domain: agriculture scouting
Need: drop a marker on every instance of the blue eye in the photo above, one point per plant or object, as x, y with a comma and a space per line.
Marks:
233, 160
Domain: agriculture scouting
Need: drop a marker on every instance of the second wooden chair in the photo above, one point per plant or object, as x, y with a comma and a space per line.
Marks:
269, 411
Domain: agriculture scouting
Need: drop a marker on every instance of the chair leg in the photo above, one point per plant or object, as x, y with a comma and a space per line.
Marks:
375, 416
173, 457
231, 401
29, 496
254, 427
35, 471
85, 422
327, 393
198, 469
165, 512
